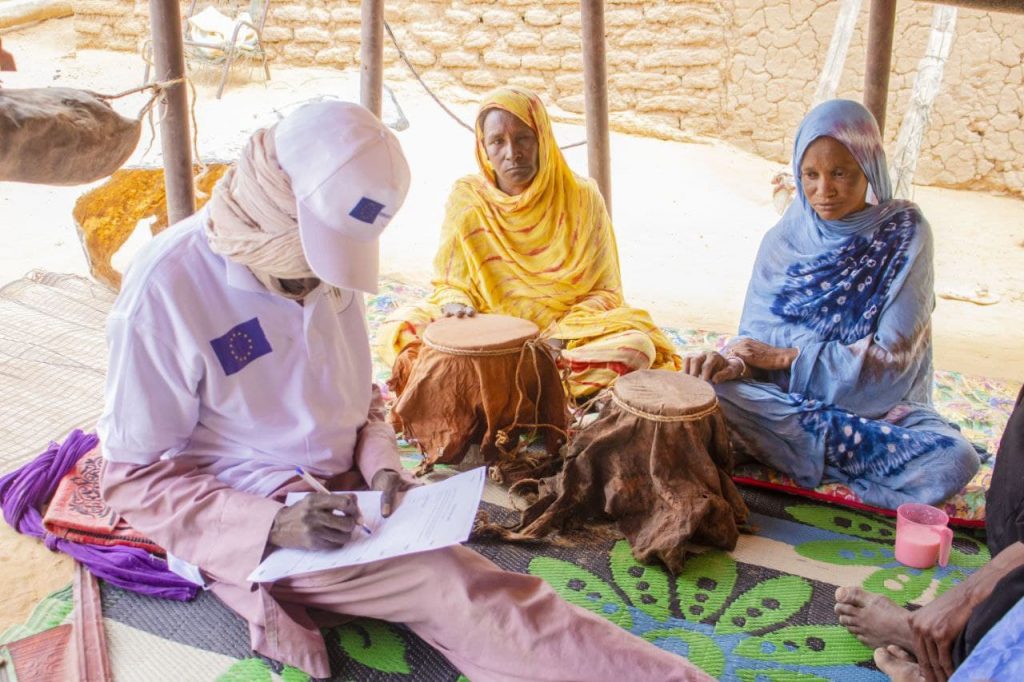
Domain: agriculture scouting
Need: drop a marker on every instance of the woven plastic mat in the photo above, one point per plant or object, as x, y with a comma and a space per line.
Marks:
761, 612
52, 361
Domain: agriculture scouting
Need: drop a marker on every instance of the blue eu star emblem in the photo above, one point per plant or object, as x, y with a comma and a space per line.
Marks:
367, 210
242, 344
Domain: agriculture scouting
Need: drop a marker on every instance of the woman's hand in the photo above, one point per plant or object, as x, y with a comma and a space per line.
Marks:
712, 366
390, 483
457, 310
761, 355
319, 521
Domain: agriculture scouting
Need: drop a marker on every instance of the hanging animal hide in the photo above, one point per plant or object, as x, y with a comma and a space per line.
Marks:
62, 136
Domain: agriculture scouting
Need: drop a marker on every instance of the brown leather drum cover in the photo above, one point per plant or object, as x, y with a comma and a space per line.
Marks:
62, 136
658, 466
485, 379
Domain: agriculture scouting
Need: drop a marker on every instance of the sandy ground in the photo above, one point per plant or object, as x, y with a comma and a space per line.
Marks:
688, 219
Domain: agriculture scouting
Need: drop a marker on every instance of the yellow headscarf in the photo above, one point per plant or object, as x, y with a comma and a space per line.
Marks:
546, 255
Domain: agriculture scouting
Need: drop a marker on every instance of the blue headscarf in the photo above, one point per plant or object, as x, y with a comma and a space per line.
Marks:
851, 124
853, 295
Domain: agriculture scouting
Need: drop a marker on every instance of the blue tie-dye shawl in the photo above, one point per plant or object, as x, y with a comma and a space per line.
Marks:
854, 296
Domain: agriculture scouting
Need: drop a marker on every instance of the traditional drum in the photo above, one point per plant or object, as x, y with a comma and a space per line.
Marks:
657, 461
485, 379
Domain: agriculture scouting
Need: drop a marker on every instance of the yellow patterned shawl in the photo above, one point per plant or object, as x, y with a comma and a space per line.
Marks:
547, 255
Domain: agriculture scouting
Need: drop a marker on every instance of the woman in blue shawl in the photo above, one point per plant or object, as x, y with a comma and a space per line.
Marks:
830, 375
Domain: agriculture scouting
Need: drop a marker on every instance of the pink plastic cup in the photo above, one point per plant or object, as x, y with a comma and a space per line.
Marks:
922, 536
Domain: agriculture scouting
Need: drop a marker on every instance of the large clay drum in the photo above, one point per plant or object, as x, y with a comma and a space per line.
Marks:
657, 462
486, 379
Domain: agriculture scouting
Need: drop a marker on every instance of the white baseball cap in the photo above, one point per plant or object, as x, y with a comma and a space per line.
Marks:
349, 177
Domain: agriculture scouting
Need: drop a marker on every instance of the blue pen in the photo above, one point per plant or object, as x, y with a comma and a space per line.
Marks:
319, 487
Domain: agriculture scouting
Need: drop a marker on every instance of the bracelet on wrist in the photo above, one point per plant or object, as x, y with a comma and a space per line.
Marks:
743, 364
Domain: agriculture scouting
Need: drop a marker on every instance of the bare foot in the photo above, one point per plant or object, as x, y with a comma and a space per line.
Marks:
873, 619
897, 664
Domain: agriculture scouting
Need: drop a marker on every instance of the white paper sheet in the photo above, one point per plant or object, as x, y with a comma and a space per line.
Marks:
436, 515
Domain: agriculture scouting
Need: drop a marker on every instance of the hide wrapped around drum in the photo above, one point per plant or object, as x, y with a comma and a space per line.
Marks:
656, 461
485, 379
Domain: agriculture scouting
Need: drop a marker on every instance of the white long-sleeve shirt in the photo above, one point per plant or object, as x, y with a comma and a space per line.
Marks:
204, 360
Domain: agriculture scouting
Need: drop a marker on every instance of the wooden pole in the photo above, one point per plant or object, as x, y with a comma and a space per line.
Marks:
595, 97
1013, 6
879, 58
175, 140
371, 55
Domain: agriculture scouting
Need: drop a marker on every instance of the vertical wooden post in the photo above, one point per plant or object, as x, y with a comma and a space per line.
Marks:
175, 140
371, 55
879, 58
595, 97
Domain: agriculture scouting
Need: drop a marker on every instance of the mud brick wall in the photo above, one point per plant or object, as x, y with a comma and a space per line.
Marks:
743, 71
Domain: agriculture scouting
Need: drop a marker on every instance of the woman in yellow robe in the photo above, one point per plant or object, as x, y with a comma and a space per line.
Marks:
527, 237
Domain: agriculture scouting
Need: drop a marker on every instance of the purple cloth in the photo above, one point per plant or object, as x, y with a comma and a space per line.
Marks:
24, 492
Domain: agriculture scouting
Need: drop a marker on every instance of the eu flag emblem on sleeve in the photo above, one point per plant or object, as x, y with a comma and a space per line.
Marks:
241, 345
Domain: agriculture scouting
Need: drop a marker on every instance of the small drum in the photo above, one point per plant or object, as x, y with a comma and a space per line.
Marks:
656, 461
485, 379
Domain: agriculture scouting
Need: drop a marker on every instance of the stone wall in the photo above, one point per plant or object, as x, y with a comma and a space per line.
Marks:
111, 24
976, 135
744, 71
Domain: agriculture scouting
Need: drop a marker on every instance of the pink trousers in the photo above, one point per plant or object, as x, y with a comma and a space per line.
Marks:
491, 624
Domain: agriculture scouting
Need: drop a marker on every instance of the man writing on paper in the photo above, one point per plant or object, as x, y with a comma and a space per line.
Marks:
238, 351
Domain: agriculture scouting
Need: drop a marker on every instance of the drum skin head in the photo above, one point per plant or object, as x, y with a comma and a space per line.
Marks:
480, 332
663, 392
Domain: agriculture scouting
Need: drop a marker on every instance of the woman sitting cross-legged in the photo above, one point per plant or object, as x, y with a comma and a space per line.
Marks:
527, 237
831, 373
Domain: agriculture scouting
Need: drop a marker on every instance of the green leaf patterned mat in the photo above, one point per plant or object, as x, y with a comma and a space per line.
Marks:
760, 613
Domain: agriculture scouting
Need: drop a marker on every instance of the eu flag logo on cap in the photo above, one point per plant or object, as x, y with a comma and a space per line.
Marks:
367, 210
241, 345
